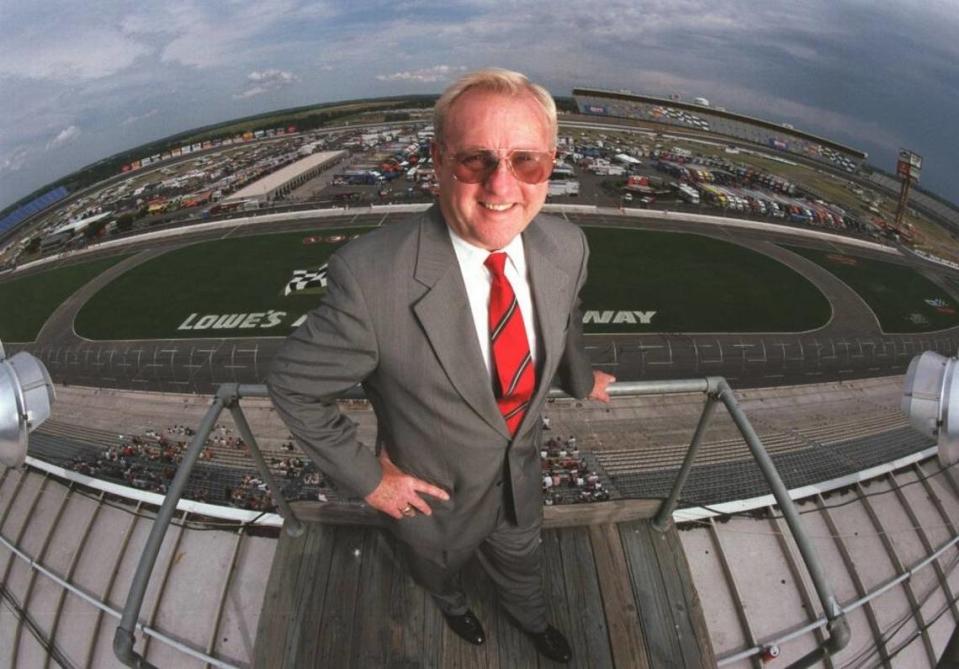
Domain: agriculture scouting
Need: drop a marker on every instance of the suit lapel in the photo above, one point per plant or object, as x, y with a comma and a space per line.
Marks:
447, 321
550, 286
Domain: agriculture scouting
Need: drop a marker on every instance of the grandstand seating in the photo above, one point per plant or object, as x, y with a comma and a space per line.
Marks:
628, 460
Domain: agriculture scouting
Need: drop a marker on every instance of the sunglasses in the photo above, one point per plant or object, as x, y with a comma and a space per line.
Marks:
477, 165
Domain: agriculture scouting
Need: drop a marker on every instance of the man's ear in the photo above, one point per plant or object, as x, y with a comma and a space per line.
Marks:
436, 154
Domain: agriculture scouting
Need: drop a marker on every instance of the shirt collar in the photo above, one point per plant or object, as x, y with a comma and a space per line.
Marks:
472, 255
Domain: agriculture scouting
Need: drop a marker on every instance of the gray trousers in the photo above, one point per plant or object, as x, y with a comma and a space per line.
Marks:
512, 556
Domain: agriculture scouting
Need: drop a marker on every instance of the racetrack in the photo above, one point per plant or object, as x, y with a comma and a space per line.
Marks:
850, 345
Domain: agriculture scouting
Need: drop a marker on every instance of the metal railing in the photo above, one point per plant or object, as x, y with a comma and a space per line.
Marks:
715, 388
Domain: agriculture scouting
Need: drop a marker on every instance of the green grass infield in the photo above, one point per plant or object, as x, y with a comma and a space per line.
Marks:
640, 281
648, 281
902, 298
233, 287
27, 302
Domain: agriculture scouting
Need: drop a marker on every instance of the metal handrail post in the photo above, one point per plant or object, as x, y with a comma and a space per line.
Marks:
661, 522
716, 389
837, 626
123, 638
293, 526
639, 388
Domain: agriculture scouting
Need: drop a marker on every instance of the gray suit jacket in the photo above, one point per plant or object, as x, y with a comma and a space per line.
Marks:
396, 318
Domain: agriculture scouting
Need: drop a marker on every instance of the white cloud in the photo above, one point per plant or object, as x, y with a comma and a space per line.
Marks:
208, 36
83, 54
14, 159
423, 75
266, 81
105, 66
65, 136
135, 118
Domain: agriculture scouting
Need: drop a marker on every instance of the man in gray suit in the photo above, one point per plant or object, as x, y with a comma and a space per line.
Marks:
455, 323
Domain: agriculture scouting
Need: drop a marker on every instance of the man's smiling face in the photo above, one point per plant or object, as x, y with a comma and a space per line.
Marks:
489, 214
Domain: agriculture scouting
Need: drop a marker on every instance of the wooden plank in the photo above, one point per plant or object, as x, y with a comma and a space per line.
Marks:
434, 633
337, 513
662, 646
406, 615
276, 610
626, 640
564, 515
310, 564
371, 640
559, 608
513, 647
597, 513
590, 635
327, 607
484, 602
339, 607
694, 607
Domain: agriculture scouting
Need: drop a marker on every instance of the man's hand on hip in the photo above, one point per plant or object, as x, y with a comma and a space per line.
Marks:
600, 381
398, 490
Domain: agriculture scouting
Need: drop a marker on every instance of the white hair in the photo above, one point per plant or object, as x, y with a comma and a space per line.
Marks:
496, 80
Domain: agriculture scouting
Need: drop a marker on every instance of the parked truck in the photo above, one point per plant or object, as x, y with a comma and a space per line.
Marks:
363, 177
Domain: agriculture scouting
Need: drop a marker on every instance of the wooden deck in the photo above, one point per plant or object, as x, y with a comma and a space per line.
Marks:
620, 590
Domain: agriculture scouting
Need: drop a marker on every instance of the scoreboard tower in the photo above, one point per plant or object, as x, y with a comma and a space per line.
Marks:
908, 168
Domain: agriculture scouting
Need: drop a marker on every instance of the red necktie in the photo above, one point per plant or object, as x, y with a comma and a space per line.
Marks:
513, 375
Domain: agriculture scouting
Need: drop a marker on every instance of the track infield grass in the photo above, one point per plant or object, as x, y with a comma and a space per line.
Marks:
902, 298
27, 302
678, 283
693, 284
240, 281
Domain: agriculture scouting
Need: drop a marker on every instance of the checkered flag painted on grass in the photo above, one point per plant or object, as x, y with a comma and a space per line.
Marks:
304, 280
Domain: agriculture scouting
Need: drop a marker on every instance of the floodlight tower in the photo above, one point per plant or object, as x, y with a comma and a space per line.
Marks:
930, 400
908, 168
26, 397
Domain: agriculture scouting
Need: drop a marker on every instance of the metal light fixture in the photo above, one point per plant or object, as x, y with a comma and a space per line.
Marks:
26, 398
931, 401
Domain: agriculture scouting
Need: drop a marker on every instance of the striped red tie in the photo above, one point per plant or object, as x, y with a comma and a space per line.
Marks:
514, 377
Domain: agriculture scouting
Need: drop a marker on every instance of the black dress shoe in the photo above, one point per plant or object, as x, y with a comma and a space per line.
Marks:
467, 627
552, 644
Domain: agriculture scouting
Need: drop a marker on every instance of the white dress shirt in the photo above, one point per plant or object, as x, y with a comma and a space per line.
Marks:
478, 280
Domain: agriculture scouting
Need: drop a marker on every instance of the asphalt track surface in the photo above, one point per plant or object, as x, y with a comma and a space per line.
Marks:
852, 345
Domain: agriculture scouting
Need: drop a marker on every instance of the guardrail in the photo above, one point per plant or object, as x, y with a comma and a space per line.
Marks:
715, 388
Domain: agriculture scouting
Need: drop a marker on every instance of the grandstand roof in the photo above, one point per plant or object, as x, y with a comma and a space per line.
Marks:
262, 188
80, 224
743, 118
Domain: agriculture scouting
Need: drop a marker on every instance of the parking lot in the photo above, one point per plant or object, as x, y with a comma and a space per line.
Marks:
391, 165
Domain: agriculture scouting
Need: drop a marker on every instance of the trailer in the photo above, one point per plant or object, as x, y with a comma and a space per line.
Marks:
563, 187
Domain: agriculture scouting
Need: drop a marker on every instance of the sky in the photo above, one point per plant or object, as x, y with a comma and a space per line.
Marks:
82, 81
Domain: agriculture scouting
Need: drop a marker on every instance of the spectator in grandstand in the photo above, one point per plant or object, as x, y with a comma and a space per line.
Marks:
408, 311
